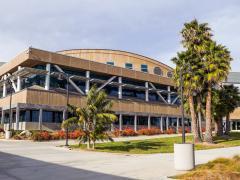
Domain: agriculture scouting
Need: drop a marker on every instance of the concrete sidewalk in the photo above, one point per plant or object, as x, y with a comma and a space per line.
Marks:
26, 160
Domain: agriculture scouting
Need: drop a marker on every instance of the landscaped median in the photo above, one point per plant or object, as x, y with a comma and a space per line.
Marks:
220, 168
160, 145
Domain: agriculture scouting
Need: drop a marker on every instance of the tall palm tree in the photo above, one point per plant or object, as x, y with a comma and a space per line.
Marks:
216, 65
186, 62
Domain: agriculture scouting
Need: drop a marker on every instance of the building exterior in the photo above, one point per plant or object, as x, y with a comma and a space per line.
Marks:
141, 88
234, 78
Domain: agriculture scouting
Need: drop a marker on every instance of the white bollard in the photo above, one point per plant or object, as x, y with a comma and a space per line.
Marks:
8, 134
184, 157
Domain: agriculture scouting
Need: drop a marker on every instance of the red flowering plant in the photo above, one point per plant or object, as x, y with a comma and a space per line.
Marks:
128, 132
170, 131
41, 136
76, 134
148, 132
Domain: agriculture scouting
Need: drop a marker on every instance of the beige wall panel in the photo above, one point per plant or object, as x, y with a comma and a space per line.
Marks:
19, 97
128, 73
235, 114
51, 98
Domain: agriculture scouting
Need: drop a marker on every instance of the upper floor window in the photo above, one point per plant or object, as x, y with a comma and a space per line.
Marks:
169, 74
144, 68
110, 63
158, 71
128, 65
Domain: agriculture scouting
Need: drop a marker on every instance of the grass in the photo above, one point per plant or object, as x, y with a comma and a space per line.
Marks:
221, 168
161, 145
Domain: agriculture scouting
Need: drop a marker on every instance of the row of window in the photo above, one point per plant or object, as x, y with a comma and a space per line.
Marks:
144, 68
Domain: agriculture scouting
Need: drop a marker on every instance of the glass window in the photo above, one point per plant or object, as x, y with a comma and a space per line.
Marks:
144, 68
158, 71
169, 74
47, 116
34, 115
110, 63
128, 65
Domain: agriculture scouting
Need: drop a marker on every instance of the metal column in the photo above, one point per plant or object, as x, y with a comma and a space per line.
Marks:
47, 79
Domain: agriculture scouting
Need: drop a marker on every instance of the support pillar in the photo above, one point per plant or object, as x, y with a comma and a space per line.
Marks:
149, 121
120, 122
47, 79
135, 122
120, 88
19, 83
3, 116
161, 123
169, 94
177, 124
40, 119
4, 86
17, 117
146, 92
64, 114
87, 83
167, 123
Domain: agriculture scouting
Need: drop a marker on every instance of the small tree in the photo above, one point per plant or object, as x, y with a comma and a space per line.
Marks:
95, 118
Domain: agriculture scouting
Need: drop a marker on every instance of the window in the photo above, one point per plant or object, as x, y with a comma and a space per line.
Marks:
110, 63
128, 65
169, 74
144, 68
158, 71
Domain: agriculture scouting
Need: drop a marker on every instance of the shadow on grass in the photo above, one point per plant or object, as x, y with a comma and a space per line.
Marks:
128, 146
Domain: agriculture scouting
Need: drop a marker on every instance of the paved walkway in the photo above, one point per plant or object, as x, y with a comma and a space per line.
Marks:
26, 160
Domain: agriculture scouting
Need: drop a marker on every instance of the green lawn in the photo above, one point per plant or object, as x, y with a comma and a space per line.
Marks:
160, 145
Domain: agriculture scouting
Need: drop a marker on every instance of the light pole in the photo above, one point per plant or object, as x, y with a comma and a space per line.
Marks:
62, 76
182, 108
10, 106
184, 158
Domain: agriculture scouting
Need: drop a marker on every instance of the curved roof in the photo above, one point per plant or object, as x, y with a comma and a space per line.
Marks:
119, 52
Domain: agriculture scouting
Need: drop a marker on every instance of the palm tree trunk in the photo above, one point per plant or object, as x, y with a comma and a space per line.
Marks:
216, 127
227, 125
208, 134
195, 131
220, 127
93, 145
88, 143
199, 117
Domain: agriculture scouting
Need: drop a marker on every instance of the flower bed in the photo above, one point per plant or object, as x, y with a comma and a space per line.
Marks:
144, 131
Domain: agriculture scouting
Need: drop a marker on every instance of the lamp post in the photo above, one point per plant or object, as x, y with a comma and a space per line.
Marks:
62, 76
182, 108
184, 156
8, 132
67, 78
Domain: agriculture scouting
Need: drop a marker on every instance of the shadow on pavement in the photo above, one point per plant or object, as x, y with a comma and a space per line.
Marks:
13, 167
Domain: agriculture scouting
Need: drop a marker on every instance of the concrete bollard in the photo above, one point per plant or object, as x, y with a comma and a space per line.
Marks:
184, 157
8, 134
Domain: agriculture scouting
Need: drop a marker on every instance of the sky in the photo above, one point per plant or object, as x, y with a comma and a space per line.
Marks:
147, 27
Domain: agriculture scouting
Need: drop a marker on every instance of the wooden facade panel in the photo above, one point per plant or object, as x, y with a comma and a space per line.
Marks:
19, 97
101, 67
51, 98
235, 114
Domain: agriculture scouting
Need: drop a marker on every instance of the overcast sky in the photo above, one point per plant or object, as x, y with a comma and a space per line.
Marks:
146, 27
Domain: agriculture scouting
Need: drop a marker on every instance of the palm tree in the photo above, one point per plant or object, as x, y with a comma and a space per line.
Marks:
186, 62
216, 65
214, 61
95, 118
